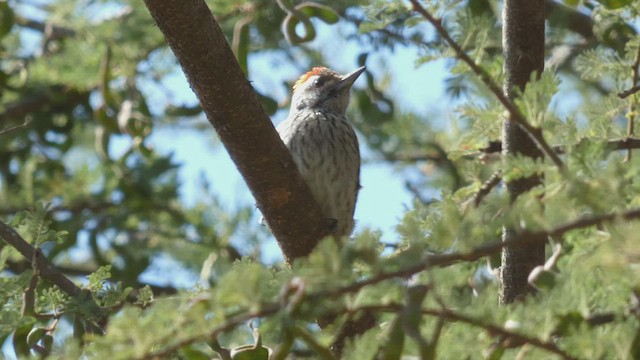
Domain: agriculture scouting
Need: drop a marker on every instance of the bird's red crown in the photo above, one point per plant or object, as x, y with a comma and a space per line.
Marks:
318, 70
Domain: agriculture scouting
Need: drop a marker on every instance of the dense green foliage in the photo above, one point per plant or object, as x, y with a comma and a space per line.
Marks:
80, 83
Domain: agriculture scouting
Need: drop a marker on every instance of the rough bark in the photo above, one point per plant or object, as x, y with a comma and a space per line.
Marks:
523, 46
234, 110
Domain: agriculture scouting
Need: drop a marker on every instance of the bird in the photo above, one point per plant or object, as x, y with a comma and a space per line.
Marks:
324, 145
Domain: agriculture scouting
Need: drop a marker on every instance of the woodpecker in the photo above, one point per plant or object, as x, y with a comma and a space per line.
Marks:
323, 143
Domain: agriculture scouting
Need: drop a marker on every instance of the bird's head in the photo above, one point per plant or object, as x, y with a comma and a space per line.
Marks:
324, 89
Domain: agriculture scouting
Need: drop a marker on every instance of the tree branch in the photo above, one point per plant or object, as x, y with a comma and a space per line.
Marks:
53, 32
56, 96
629, 92
47, 271
17, 267
234, 110
516, 114
522, 239
493, 330
430, 261
495, 146
496, 177
6, 131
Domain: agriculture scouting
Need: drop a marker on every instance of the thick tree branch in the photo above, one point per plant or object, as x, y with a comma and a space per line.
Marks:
516, 115
233, 108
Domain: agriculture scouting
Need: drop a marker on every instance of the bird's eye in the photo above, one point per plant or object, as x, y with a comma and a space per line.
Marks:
318, 82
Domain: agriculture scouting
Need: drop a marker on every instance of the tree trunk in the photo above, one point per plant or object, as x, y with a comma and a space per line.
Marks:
523, 46
234, 110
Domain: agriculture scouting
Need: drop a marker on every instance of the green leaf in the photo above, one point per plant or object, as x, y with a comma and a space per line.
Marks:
392, 346
322, 12
35, 225
145, 296
98, 278
35, 335
250, 352
567, 323
269, 105
615, 4
20, 335
495, 352
7, 18
541, 278
635, 346
537, 97
191, 352
245, 285
240, 43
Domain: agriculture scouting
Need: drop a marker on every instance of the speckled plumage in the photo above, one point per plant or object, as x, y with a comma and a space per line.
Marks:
323, 143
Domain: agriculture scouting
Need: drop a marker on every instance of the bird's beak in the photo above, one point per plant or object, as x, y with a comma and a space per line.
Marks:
347, 80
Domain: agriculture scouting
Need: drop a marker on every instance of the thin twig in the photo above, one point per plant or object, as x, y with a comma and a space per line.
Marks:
27, 122
495, 147
487, 186
517, 116
412, 188
615, 144
629, 92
